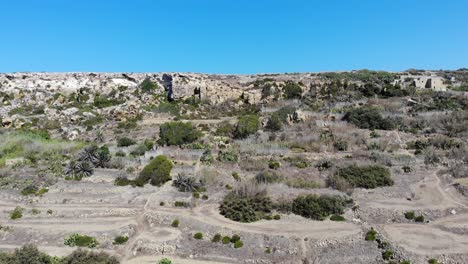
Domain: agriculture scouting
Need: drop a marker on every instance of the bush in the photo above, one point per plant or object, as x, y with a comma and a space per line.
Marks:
368, 118
235, 238
80, 256
81, 241
198, 235
226, 240
409, 215
225, 129
30, 189
387, 255
371, 235
268, 176
273, 164
292, 90
298, 162
245, 209
419, 219
175, 223
368, 177
340, 145
277, 217
26, 254
120, 240
157, 172
337, 218
274, 123
318, 207
139, 150
165, 261
216, 238
247, 125
178, 133
147, 86
181, 204
227, 156
16, 213
122, 181
433, 261
238, 244
125, 142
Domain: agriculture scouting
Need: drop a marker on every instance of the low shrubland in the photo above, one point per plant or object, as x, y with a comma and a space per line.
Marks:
31, 255
368, 176
248, 203
318, 207
178, 133
81, 241
157, 172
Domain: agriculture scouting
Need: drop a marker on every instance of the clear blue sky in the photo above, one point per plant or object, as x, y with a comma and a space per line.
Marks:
232, 36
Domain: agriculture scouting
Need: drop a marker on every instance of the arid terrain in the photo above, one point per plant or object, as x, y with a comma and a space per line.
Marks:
342, 167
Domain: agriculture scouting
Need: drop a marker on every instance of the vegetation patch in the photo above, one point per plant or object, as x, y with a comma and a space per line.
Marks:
81, 241
369, 177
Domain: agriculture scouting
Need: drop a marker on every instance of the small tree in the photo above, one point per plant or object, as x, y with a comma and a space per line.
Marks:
247, 125
157, 172
148, 86
178, 133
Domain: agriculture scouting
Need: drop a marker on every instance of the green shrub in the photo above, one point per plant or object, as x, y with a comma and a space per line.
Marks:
130, 123
274, 123
318, 207
147, 86
125, 142
235, 238
245, 209
246, 126
198, 235
433, 261
371, 235
238, 244
30, 189
81, 241
122, 181
120, 153
101, 101
292, 90
80, 256
227, 156
236, 176
175, 223
409, 215
27, 254
157, 172
273, 164
340, 145
405, 262
298, 162
119, 240
419, 218
181, 204
337, 218
139, 150
226, 240
165, 261
367, 117
16, 213
216, 238
178, 133
268, 176
277, 217
387, 254
225, 129
368, 177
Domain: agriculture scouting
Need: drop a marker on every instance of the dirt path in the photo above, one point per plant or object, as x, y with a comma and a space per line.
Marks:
441, 236
428, 194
